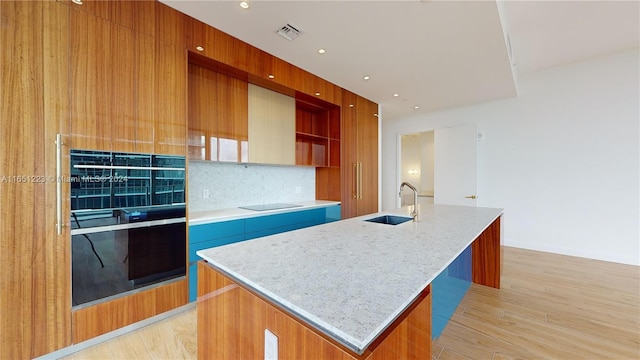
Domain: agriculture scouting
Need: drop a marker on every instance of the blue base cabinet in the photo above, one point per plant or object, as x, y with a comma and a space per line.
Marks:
205, 236
447, 291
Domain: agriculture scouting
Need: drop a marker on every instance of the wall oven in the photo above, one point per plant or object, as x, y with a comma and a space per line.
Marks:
128, 224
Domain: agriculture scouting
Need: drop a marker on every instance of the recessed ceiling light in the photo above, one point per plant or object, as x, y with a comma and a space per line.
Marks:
366, 77
199, 48
317, 94
396, 95
322, 51
416, 107
271, 76
79, 2
244, 4
350, 105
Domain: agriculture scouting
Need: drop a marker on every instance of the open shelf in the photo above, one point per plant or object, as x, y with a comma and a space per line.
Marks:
317, 133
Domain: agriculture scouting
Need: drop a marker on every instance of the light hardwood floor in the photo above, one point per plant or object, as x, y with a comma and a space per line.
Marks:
549, 307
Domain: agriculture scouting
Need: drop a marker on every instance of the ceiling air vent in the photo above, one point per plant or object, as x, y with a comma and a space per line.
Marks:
289, 32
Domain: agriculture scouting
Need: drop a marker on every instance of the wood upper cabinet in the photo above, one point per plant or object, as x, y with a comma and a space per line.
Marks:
145, 93
93, 82
128, 89
359, 156
272, 127
170, 108
218, 125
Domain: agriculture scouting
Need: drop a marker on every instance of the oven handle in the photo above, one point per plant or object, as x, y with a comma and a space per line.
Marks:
127, 226
117, 167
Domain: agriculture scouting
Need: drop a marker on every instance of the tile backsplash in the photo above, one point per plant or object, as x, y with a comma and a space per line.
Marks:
231, 184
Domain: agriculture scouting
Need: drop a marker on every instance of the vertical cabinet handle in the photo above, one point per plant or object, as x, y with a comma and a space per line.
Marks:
359, 180
354, 193
58, 184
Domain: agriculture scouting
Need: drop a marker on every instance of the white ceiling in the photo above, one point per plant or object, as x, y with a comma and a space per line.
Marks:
434, 54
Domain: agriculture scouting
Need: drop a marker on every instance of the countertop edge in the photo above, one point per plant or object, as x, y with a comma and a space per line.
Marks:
213, 216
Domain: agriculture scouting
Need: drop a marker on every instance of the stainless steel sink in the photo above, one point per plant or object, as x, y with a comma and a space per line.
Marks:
390, 219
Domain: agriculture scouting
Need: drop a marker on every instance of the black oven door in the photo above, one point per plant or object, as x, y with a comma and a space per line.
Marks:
128, 223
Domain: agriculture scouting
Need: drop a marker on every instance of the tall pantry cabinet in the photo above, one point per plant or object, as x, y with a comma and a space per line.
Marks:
359, 165
35, 300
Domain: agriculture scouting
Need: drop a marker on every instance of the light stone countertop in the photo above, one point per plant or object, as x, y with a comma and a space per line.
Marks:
351, 279
211, 216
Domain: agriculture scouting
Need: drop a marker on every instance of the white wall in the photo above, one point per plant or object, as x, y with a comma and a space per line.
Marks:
562, 159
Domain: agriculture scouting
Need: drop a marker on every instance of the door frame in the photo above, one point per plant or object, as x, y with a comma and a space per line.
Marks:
399, 135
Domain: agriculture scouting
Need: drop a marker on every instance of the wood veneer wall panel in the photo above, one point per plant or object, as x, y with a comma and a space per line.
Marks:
411, 338
201, 93
170, 125
367, 139
232, 108
145, 92
170, 296
33, 287
326, 178
170, 25
123, 120
348, 131
56, 277
99, 319
234, 319
485, 256
91, 75
21, 114
120, 12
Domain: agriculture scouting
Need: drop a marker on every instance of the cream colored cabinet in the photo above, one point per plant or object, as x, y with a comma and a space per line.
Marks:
272, 127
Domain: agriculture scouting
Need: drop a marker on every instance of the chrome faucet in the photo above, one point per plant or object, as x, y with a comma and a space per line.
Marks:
414, 212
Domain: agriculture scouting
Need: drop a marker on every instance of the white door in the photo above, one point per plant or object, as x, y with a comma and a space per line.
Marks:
455, 166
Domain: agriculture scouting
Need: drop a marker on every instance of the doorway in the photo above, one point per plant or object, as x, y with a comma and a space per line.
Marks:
417, 166
441, 164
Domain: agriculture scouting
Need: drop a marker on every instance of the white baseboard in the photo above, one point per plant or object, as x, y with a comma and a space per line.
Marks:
628, 259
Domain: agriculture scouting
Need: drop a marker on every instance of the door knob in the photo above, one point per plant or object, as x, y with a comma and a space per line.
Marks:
470, 197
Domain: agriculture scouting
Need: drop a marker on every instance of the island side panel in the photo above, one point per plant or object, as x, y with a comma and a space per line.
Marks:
485, 256
411, 338
231, 323
232, 320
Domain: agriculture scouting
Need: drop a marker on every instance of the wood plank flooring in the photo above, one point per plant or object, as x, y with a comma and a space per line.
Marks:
549, 307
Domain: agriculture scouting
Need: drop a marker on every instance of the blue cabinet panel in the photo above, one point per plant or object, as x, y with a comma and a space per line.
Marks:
275, 224
447, 291
461, 267
209, 244
263, 223
333, 213
204, 232
193, 282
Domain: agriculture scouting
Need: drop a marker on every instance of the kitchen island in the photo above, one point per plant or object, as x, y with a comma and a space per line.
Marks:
350, 289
